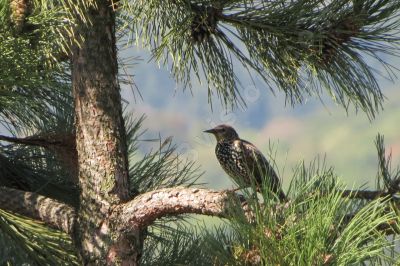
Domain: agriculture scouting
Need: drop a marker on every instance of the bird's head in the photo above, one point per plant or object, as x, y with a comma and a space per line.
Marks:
223, 133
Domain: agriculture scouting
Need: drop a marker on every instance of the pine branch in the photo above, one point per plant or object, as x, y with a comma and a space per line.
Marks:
388, 180
390, 227
146, 208
25, 241
53, 213
43, 141
302, 47
369, 194
364, 194
63, 145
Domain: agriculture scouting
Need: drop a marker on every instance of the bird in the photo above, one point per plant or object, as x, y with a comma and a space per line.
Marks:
243, 162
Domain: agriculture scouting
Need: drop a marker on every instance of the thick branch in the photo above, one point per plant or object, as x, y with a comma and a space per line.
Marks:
146, 208
54, 213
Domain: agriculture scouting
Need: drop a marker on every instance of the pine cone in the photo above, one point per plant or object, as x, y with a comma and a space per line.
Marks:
20, 9
204, 23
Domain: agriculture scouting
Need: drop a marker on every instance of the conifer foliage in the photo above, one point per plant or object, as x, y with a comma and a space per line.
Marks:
74, 188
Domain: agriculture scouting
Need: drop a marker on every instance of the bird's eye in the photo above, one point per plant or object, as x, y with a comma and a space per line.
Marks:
223, 130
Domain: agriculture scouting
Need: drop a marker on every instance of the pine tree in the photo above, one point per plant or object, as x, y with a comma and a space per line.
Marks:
73, 191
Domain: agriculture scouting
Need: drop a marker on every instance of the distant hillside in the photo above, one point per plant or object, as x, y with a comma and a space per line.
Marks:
300, 132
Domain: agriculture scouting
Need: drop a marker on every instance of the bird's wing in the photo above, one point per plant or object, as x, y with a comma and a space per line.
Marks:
259, 166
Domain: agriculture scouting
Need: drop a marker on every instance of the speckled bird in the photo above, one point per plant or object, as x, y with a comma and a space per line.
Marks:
242, 161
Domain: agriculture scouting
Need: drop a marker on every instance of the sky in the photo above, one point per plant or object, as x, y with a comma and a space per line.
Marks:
291, 133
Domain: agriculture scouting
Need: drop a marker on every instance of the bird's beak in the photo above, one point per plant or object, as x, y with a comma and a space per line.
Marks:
212, 131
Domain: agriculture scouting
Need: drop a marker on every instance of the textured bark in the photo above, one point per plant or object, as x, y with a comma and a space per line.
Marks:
100, 142
144, 209
54, 213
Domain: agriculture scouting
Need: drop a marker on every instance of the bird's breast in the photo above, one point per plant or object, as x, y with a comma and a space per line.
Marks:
230, 156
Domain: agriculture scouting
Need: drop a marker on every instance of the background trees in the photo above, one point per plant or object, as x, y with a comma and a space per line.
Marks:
74, 145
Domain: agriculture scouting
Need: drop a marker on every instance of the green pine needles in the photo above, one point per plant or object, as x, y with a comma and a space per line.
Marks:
299, 47
302, 48
313, 230
317, 226
27, 242
320, 224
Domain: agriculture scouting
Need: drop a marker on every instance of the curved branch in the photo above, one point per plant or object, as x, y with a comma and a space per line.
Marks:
148, 207
52, 212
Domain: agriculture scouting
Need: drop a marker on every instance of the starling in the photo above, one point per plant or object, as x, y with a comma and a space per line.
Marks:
242, 161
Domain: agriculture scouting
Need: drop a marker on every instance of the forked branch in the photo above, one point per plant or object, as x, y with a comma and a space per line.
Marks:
139, 212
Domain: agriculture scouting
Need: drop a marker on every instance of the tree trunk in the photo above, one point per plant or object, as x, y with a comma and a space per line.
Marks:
101, 143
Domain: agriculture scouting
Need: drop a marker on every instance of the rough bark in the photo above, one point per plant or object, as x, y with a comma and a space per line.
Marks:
137, 213
100, 142
52, 212
144, 209
128, 218
141, 211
